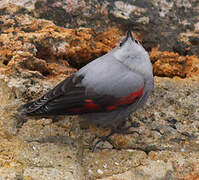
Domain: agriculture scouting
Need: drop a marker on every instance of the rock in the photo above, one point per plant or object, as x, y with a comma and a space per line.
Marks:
167, 144
37, 53
163, 165
26, 151
171, 25
39, 45
169, 64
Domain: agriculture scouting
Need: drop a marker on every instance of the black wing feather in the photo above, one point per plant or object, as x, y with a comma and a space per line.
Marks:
70, 97
67, 95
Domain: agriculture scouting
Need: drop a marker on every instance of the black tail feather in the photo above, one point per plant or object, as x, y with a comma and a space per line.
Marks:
26, 109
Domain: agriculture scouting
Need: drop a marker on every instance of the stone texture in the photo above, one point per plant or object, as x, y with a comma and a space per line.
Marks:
170, 25
36, 54
170, 64
47, 50
39, 45
163, 165
167, 146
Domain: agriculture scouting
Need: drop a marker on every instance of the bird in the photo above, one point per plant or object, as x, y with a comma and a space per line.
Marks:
105, 91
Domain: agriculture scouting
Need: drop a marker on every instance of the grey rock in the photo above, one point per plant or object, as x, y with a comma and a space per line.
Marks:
171, 24
166, 146
167, 143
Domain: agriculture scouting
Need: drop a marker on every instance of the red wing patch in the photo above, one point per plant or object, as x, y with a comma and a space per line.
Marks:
90, 106
126, 100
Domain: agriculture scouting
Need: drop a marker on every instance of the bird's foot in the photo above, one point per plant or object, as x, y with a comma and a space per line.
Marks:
102, 139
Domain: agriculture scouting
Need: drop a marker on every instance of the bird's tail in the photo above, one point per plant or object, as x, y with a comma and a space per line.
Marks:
25, 109
30, 109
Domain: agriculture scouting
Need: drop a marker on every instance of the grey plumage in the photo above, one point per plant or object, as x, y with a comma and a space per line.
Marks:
105, 91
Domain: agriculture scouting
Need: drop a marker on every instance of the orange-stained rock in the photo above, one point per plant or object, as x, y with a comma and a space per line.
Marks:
170, 64
166, 143
39, 45
191, 177
36, 44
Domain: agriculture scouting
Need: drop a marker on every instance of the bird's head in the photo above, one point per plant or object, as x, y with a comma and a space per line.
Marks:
131, 53
129, 47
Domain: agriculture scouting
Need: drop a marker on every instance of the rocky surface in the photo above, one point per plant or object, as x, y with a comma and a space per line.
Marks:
36, 54
166, 147
169, 25
170, 64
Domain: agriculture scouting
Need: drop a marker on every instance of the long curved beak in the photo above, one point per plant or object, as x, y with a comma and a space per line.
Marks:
129, 34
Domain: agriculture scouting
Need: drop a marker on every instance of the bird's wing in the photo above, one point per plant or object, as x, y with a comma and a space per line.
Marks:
100, 86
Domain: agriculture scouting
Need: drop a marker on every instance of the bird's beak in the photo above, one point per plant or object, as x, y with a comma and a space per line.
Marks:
129, 35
